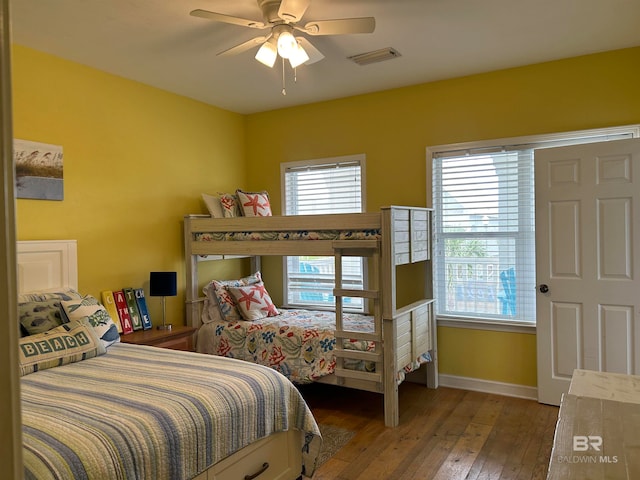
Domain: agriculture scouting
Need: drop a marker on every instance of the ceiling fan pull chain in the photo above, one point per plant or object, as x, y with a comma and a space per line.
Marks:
284, 89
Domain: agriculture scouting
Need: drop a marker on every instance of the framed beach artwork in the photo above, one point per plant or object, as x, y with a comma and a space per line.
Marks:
38, 170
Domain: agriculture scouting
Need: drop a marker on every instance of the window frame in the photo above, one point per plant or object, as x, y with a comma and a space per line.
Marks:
514, 143
360, 159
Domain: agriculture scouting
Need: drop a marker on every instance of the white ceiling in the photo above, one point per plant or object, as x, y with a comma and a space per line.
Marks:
158, 43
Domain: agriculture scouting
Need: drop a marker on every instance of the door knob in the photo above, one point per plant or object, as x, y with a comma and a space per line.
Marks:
544, 288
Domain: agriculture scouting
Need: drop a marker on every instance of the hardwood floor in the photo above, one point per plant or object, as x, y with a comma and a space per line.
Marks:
444, 434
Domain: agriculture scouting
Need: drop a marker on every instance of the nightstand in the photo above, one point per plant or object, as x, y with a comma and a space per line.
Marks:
178, 338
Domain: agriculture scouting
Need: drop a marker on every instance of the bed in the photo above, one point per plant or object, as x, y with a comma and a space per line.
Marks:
130, 411
399, 338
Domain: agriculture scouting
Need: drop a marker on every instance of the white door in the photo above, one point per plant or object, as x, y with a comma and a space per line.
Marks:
587, 262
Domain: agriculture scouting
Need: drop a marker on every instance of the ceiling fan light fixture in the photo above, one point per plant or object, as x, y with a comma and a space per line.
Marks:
267, 54
287, 44
298, 57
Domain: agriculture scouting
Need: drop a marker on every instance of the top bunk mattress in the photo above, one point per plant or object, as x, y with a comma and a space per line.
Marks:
405, 230
345, 226
373, 234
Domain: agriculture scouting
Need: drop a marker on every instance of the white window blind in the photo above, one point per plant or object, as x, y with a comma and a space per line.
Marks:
484, 224
485, 238
322, 187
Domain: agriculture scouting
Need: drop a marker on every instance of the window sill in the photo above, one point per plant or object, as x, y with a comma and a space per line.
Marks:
497, 326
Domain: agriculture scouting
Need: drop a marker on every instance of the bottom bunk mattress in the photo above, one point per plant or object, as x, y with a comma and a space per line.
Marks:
298, 343
150, 413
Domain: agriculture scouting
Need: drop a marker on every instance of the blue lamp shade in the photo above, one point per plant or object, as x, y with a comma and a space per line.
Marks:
163, 284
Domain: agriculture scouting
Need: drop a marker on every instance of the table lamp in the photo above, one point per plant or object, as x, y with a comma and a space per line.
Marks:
163, 284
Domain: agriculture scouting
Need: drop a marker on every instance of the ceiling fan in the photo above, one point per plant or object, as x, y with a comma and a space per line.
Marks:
281, 17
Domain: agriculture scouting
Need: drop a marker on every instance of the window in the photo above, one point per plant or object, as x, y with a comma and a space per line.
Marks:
332, 185
484, 225
485, 253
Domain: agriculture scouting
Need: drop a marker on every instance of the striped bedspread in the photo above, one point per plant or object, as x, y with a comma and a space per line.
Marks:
148, 413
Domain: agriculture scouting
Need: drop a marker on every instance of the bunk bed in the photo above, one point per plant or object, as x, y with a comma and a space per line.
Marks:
395, 236
134, 411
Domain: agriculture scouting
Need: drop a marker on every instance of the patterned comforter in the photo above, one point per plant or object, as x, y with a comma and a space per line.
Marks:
298, 343
289, 235
148, 413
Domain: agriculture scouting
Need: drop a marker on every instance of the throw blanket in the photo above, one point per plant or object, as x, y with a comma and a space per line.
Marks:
148, 413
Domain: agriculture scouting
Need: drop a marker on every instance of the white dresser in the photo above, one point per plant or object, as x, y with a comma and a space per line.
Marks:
598, 430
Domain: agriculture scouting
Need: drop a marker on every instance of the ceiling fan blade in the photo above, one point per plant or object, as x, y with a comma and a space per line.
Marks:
314, 54
243, 47
341, 26
291, 11
219, 17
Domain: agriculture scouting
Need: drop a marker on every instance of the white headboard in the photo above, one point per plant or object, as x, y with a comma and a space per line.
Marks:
47, 265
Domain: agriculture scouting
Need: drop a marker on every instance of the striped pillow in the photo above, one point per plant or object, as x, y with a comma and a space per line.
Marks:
68, 343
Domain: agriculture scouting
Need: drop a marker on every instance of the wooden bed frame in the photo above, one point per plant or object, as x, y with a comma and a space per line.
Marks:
400, 334
52, 265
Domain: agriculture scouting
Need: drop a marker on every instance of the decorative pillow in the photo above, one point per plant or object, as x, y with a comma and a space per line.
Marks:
50, 310
68, 343
217, 293
230, 205
254, 204
89, 307
214, 205
211, 309
254, 301
41, 316
65, 294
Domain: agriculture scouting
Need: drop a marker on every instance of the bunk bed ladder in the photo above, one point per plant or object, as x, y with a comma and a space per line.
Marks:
372, 381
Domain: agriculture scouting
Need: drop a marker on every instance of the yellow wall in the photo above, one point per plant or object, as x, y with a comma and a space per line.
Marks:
496, 356
393, 128
136, 160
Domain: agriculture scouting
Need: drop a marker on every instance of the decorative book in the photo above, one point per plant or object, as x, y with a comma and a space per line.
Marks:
110, 304
123, 311
142, 308
134, 313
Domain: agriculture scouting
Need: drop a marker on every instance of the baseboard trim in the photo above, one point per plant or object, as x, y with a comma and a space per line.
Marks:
488, 386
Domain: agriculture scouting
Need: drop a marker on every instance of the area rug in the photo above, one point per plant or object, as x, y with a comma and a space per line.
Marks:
333, 439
